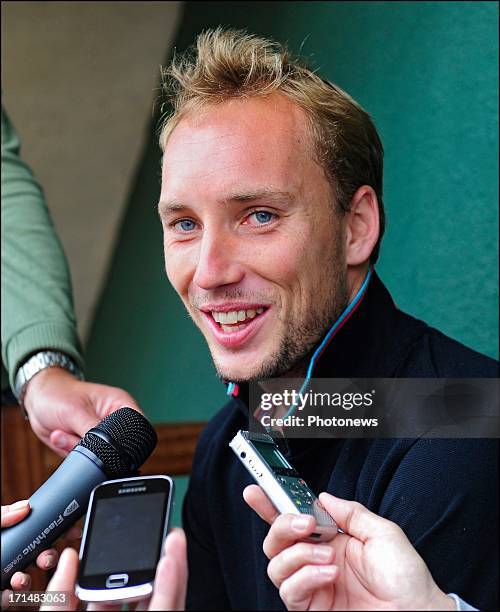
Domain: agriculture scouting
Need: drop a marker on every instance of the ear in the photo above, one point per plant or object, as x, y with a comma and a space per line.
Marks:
362, 226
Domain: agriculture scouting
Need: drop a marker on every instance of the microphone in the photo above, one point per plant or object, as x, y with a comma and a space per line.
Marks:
116, 447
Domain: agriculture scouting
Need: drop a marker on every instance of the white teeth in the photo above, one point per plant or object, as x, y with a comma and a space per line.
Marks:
235, 316
232, 328
231, 317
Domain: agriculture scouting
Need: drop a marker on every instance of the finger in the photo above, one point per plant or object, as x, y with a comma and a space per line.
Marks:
47, 559
104, 607
285, 531
324, 598
84, 415
175, 546
258, 501
290, 560
356, 520
63, 441
131, 403
298, 591
164, 597
20, 581
106, 400
64, 579
143, 605
126, 400
73, 533
5, 598
171, 574
14, 513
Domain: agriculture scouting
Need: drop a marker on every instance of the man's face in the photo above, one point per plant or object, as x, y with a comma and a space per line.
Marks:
252, 242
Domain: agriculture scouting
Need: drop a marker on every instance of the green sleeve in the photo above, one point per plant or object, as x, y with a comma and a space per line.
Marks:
37, 303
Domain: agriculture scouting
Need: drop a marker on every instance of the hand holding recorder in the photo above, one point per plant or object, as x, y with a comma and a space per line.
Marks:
371, 566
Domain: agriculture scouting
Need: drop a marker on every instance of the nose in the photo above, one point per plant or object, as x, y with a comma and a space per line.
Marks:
218, 261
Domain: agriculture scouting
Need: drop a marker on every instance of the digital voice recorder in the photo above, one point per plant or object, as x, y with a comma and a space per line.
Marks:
281, 482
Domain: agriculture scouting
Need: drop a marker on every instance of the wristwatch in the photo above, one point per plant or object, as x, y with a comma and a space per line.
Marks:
35, 364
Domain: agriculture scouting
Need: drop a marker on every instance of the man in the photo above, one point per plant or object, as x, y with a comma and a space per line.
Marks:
271, 206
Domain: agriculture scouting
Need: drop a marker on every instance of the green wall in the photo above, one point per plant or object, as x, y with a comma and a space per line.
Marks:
427, 72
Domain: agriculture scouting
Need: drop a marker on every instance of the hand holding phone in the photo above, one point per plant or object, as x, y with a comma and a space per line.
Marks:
169, 592
125, 527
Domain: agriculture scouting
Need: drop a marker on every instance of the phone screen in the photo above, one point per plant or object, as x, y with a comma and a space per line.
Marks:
125, 531
125, 534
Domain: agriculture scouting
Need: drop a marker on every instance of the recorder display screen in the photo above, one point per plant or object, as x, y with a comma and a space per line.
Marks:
271, 455
125, 534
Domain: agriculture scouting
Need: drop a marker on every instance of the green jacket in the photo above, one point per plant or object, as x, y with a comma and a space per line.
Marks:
37, 303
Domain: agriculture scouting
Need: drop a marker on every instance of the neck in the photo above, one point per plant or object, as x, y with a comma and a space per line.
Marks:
355, 278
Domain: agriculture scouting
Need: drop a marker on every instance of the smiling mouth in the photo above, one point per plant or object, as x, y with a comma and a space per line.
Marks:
236, 320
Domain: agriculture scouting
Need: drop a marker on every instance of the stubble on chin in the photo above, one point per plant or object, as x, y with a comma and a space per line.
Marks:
297, 342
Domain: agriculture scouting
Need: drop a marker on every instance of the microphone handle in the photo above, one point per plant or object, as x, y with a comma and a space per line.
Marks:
55, 507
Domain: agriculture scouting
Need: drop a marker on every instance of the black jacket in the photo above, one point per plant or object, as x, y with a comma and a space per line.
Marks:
442, 492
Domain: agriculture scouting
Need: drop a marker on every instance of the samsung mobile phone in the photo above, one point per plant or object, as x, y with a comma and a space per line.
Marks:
281, 483
126, 524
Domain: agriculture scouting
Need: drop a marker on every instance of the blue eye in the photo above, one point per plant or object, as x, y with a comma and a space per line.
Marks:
263, 216
186, 225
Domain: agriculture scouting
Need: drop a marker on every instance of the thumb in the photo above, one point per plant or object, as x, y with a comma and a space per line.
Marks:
77, 421
80, 419
171, 574
104, 399
354, 519
63, 442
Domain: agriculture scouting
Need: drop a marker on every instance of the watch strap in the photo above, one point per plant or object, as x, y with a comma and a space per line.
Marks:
38, 362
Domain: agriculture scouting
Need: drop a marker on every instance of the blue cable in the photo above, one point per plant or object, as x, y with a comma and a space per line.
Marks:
326, 339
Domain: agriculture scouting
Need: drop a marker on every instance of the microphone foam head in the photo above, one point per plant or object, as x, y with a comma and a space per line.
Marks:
122, 441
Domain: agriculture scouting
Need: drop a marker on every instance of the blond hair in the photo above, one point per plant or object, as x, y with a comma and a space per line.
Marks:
228, 64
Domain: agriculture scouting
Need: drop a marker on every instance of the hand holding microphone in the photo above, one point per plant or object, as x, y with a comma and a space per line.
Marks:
116, 447
62, 408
